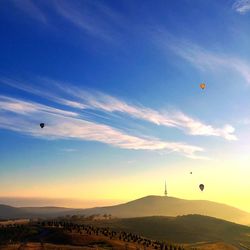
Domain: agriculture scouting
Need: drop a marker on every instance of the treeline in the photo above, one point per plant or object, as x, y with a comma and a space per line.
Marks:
58, 231
16, 233
111, 234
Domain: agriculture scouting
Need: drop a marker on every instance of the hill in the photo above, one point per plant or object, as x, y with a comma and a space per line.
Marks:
189, 229
48, 211
8, 212
146, 206
170, 206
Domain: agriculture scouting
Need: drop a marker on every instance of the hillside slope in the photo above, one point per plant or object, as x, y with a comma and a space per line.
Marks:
8, 212
183, 229
170, 206
146, 206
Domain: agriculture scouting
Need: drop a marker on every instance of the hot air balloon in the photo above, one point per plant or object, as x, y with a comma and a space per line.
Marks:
42, 125
201, 186
202, 85
191, 172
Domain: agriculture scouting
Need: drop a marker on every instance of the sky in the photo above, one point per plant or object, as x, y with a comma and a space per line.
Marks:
117, 85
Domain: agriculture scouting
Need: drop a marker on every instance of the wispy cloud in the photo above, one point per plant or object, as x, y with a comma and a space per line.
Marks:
202, 58
69, 150
23, 107
40, 91
94, 100
241, 6
24, 117
91, 17
175, 119
30, 8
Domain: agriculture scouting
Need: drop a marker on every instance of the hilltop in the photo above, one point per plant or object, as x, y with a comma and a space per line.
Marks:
143, 207
170, 206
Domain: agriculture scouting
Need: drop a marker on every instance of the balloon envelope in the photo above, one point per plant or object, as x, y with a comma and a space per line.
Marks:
201, 186
42, 125
202, 85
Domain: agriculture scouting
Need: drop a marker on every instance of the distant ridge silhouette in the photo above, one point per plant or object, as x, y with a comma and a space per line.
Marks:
146, 206
170, 206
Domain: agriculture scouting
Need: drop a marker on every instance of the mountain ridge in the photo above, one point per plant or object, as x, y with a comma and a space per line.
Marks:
151, 205
171, 206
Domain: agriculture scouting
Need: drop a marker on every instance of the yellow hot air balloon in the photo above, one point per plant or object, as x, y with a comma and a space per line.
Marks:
202, 85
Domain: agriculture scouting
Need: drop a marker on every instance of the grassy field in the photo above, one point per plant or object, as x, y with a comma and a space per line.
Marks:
61, 235
184, 229
162, 233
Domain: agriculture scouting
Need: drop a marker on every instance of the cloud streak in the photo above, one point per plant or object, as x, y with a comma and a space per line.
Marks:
94, 100
241, 6
24, 117
29, 7
90, 17
22, 107
175, 119
201, 58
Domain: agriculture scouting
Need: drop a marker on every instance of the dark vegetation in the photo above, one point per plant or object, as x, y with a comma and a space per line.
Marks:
169, 233
181, 229
64, 232
188, 228
18, 233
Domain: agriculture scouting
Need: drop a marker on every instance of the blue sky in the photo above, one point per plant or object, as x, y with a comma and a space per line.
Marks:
117, 85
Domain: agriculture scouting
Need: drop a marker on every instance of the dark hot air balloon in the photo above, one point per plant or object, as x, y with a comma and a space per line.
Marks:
201, 186
42, 125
